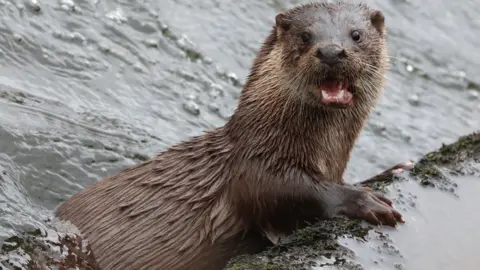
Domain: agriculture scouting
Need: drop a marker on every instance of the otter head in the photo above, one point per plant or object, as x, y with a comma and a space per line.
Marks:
333, 55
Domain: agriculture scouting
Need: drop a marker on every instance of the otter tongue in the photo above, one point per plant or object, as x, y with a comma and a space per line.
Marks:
335, 92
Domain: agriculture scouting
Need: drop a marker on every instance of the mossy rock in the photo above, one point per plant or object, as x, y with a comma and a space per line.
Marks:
453, 157
302, 249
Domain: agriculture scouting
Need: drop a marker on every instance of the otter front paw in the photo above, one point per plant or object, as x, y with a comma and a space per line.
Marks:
400, 167
374, 208
387, 175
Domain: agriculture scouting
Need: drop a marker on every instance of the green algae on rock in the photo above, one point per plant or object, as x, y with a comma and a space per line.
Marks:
454, 157
306, 248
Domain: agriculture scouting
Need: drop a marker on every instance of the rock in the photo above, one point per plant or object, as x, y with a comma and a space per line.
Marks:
59, 247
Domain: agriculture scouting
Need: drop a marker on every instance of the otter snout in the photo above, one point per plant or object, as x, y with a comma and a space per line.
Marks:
331, 54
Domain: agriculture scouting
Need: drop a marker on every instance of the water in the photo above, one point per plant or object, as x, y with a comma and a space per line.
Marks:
438, 233
89, 87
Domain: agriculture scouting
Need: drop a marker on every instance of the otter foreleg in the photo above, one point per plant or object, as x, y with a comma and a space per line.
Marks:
281, 203
327, 200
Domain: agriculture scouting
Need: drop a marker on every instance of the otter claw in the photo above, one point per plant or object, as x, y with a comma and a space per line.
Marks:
397, 171
378, 195
400, 167
382, 198
375, 209
408, 165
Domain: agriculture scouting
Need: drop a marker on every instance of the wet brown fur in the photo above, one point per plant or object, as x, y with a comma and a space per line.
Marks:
215, 195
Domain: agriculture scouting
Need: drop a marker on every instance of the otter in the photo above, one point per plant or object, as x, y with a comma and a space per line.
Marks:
276, 165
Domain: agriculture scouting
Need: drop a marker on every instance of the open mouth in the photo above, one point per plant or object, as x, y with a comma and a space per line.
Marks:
335, 92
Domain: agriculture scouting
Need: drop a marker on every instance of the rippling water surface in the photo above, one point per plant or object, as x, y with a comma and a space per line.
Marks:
88, 87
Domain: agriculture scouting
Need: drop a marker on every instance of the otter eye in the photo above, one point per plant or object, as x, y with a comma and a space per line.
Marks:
356, 36
306, 37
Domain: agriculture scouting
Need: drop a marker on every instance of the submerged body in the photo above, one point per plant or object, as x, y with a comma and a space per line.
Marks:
277, 164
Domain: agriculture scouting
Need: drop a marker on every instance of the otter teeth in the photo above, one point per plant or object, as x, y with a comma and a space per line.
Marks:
339, 95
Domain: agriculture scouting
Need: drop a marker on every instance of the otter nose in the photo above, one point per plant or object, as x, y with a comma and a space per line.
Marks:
331, 54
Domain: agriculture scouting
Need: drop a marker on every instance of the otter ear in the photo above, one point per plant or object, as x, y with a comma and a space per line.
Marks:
282, 21
378, 20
